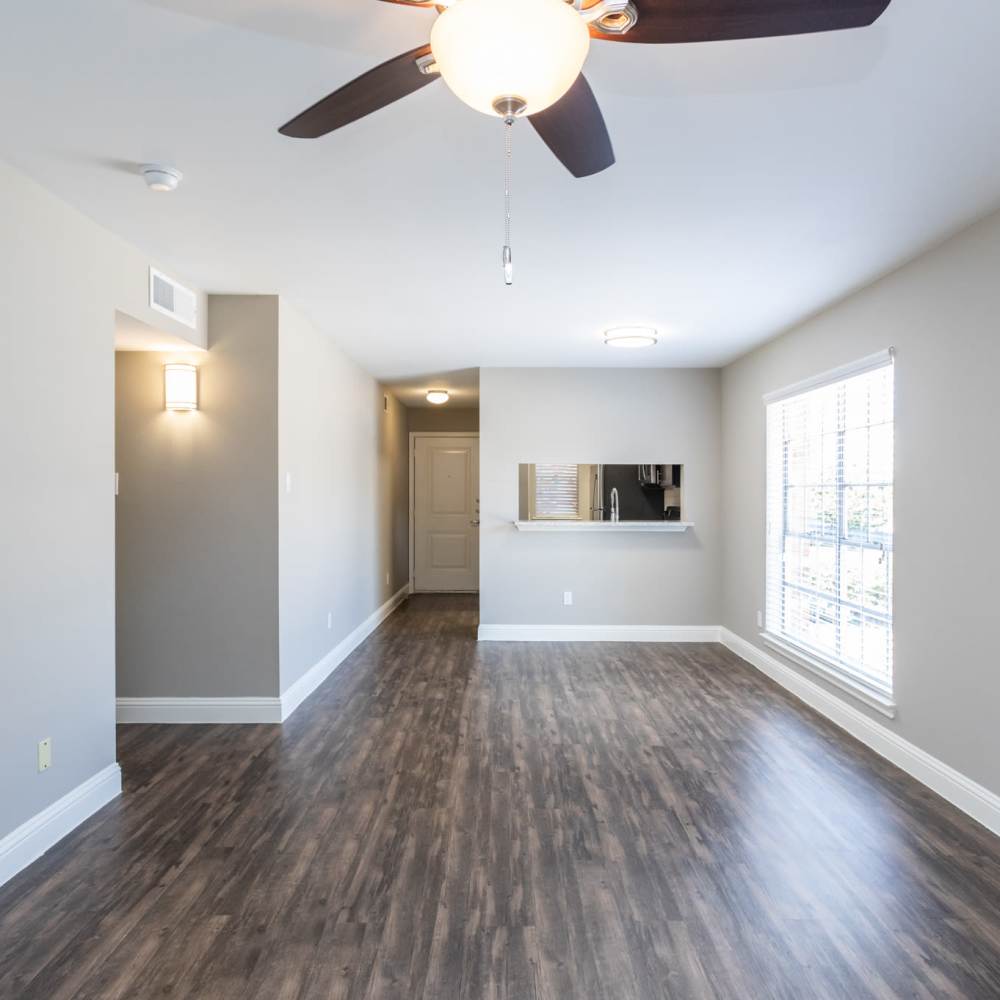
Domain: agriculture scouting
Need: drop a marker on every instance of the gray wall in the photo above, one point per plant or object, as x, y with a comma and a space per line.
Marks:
343, 542
940, 313
197, 545
226, 579
61, 279
600, 415
394, 485
442, 418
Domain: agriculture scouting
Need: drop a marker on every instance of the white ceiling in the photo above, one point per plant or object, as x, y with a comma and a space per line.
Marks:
756, 181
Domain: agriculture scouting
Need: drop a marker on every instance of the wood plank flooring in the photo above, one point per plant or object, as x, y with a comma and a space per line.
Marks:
509, 822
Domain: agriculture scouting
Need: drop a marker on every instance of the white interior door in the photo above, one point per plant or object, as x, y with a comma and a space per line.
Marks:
446, 513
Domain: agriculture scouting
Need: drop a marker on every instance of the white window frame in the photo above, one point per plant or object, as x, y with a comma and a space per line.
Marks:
832, 671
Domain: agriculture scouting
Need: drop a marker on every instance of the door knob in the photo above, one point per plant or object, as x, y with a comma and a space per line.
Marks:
475, 524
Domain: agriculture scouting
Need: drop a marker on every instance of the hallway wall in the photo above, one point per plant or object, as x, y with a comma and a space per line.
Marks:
197, 543
61, 279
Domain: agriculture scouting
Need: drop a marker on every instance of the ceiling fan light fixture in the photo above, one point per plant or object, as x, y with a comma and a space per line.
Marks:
490, 51
437, 396
618, 22
630, 337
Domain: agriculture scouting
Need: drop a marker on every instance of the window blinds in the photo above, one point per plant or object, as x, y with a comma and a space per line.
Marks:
557, 491
829, 520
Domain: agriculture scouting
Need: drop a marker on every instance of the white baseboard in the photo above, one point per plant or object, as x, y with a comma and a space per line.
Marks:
199, 710
255, 710
35, 836
315, 675
972, 798
598, 633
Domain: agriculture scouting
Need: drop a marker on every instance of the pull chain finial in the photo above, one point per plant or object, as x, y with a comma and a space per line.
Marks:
508, 264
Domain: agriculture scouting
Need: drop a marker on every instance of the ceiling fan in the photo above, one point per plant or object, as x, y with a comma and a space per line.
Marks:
523, 57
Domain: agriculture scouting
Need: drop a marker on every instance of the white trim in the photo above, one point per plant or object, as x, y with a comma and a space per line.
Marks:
199, 710
315, 675
878, 360
35, 836
832, 674
964, 793
256, 710
601, 527
412, 511
598, 633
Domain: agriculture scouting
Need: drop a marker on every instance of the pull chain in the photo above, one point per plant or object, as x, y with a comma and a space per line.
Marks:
508, 264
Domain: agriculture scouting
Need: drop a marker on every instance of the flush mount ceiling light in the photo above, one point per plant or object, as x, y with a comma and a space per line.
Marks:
180, 387
159, 177
437, 396
630, 336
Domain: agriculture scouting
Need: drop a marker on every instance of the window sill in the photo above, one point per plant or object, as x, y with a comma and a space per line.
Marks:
865, 693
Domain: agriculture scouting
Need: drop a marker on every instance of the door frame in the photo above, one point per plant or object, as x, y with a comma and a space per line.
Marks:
413, 463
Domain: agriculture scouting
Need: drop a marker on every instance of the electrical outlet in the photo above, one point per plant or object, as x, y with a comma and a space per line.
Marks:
288, 482
45, 754
760, 619
567, 597
329, 619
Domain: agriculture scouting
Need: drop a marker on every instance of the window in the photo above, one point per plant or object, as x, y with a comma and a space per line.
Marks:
829, 523
555, 492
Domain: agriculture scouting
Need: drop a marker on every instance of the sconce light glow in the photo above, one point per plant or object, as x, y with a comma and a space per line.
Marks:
180, 387
630, 336
437, 396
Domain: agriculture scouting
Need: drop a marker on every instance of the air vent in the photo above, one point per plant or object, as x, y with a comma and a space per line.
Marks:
172, 299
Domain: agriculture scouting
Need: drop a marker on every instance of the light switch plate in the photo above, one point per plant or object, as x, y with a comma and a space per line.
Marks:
567, 597
45, 754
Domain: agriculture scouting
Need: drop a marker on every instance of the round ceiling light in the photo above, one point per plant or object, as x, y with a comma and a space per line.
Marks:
630, 336
510, 56
159, 177
437, 396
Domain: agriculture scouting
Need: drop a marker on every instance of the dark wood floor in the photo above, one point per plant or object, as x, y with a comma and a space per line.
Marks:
568, 822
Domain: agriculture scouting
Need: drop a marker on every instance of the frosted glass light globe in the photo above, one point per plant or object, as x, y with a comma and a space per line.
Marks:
492, 49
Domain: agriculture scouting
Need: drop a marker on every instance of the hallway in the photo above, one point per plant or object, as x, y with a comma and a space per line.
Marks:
448, 819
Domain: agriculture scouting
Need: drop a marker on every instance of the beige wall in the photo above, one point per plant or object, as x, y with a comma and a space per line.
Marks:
197, 546
940, 313
608, 416
442, 418
61, 279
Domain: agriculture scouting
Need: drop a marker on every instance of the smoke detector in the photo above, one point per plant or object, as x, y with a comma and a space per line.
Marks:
159, 177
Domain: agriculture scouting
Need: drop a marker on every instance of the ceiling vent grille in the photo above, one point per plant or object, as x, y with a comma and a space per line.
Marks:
172, 299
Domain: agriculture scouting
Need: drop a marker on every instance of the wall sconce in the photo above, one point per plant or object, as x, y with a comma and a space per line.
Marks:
180, 387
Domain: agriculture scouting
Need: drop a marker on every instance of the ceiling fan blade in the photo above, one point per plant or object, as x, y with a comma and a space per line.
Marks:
723, 20
573, 128
369, 92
